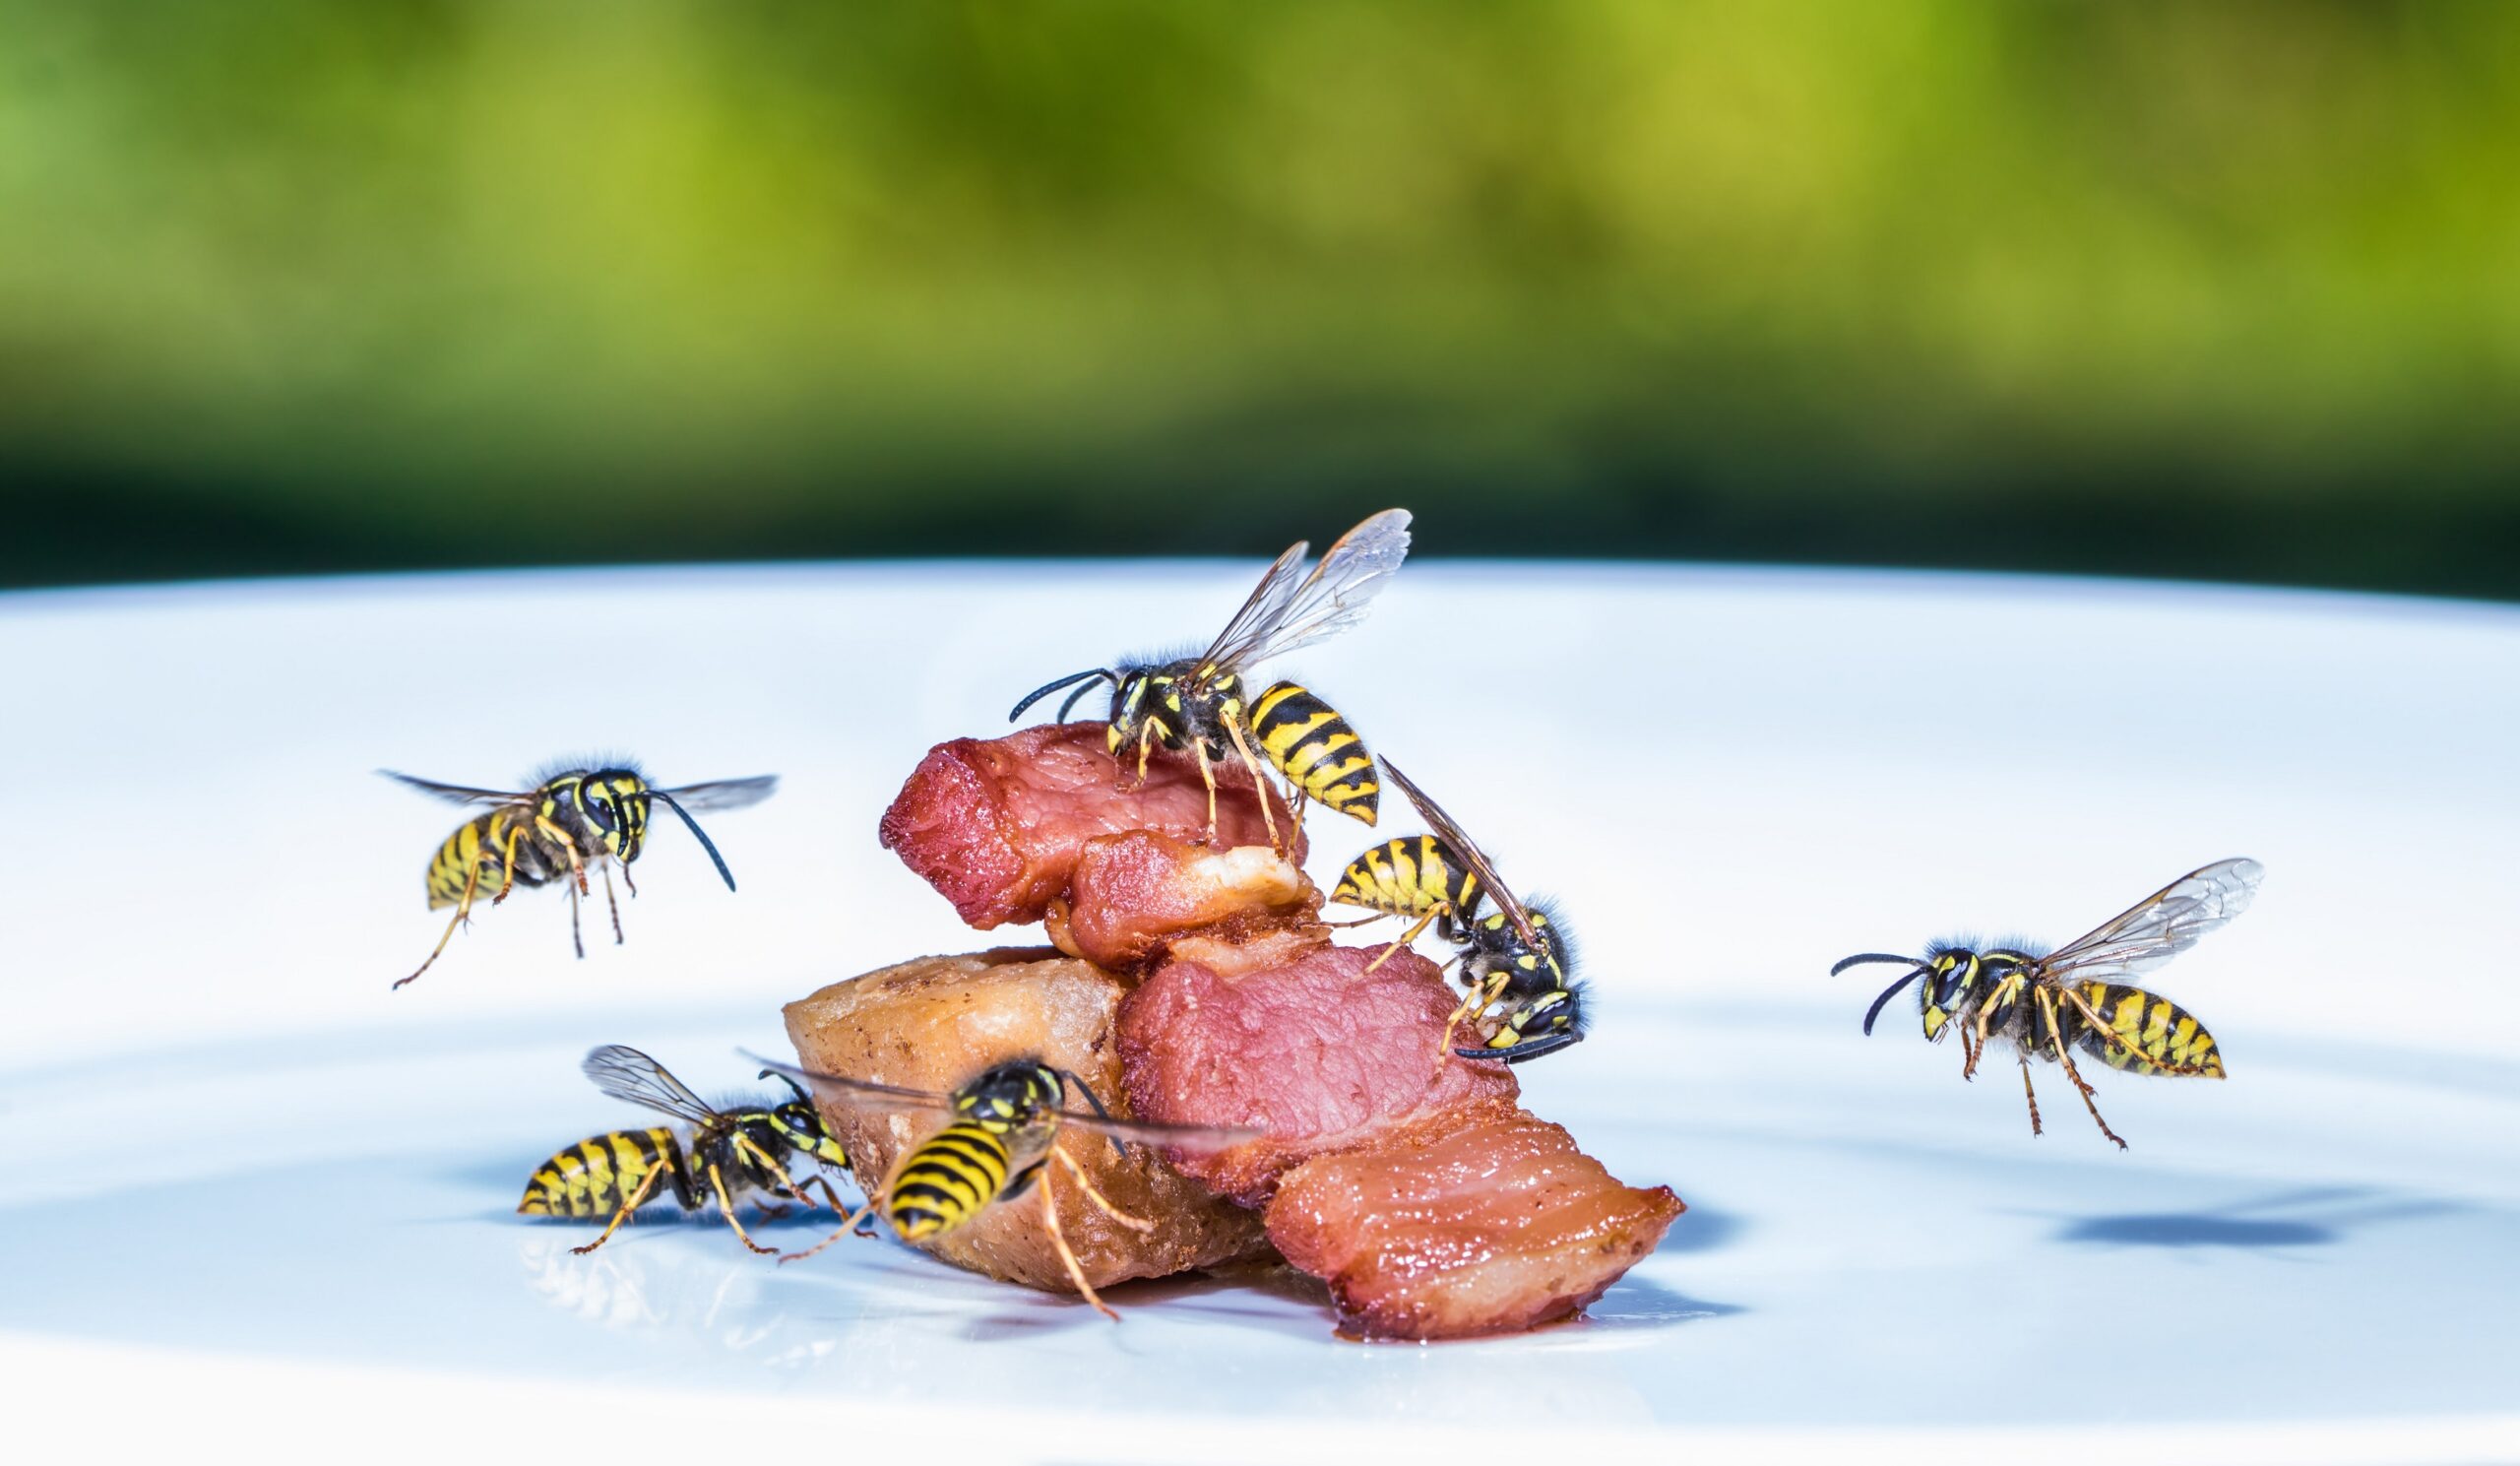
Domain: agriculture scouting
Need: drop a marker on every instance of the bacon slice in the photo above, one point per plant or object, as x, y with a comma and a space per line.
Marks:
1484, 1222
1298, 1039
996, 825
1133, 895
933, 1024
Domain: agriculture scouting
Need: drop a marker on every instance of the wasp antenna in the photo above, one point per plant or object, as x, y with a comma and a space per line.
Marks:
1087, 1090
1047, 688
1889, 993
790, 1083
1860, 958
699, 833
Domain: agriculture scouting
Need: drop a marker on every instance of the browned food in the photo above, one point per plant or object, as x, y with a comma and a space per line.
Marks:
1299, 1040
1133, 895
933, 1024
1482, 1222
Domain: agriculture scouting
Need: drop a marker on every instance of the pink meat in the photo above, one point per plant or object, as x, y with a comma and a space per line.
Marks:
1133, 895
1483, 1223
1298, 1039
995, 825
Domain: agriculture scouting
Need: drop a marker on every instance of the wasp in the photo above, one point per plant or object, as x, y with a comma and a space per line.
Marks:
1202, 703
1515, 959
1001, 1134
572, 818
728, 1155
2050, 1003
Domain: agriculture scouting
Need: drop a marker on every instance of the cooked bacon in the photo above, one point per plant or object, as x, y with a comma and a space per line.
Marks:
933, 1024
1483, 1222
996, 825
1133, 895
1298, 1039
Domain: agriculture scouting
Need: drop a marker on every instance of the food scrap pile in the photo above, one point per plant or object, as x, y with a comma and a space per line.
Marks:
1257, 1087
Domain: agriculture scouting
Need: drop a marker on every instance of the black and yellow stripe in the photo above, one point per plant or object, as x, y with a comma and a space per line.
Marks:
2152, 1034
1409, 877
947, 1180
475, 846
1313, 747
593, 1176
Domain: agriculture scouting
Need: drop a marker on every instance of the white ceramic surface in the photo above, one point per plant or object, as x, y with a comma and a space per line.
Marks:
247, 1186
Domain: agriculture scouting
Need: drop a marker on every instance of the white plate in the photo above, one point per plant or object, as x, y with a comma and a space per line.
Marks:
243, 1186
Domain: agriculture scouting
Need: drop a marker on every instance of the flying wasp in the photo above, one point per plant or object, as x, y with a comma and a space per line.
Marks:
729, 1155
572, 818
1000, 1136
2050, 1003
1514, 959
1202, 703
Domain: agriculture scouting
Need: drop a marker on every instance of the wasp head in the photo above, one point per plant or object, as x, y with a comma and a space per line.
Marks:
802, 1125
615, 802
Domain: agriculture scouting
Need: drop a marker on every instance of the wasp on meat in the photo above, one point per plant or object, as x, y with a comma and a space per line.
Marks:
1203, 703
569, 819
2050, 1003
731, 1153
1001, 1133
1515, 960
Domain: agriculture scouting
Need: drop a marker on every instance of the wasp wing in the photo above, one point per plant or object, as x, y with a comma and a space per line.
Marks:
725, 794
2161, 925
1461, 846
1286, 612
1158, 1132
865, 1094
462, 794
625, 1074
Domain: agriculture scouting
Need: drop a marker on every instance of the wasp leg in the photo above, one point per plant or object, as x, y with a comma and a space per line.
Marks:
2056, 1038
1207, 777
507, 864
847, 1226
1100, 1202
577, 863
726, 1209
2030, 1094
615, 906
1405, 938
627, 883
1973, 1041
1146, 745
576, 940
831, 1193
1259, 783
1067, 1257
621, 1214
462, 913
1486, 993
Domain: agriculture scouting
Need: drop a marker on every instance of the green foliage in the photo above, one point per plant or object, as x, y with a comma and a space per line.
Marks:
2210, 289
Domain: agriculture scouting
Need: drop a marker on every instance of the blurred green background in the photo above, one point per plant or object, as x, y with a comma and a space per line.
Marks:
2225, 290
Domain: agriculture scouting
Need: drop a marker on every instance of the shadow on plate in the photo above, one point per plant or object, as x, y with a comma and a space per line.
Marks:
2311, 1218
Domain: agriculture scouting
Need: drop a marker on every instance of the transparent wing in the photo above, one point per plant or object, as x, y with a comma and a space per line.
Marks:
863, 1094
725, 794
1287, 612
2161, 925
625, 1074
461, 794
1470, 854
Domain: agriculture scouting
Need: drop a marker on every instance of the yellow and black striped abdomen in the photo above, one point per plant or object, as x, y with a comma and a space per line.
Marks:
1408, 877
597, 1173
2154, 1035
475, 844
1309, 742
947, 1180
